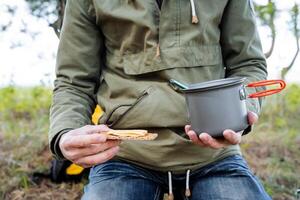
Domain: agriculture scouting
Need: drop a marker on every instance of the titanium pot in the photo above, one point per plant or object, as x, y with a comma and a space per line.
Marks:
217, 105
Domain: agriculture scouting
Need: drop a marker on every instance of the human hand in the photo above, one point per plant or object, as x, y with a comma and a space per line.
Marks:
86, 146
230, 137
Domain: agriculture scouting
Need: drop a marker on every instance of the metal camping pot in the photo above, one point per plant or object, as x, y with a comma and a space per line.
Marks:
217, 105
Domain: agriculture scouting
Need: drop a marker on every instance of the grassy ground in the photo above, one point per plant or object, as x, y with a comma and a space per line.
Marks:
272, 150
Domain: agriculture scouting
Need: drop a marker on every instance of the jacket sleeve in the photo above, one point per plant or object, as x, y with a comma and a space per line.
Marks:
241, 47
77, 72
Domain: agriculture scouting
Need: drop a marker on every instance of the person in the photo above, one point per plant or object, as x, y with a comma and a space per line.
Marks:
121, 55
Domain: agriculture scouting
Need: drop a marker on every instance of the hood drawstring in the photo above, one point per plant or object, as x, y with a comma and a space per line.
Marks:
195, 20
187, 185
157, 50
194, 15
171, 196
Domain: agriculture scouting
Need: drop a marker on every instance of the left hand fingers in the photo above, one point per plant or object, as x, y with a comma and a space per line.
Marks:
212, 142
230, 138
252, 117
193, 136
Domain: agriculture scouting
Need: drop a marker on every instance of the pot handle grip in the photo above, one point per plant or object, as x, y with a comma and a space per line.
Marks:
264, 93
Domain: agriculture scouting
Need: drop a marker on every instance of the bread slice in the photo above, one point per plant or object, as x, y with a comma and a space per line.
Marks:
130, 135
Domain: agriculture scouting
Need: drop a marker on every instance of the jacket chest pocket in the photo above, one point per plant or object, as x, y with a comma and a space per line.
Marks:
133, 30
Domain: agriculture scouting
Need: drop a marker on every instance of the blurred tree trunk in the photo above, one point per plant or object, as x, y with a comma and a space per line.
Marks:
272, 11
267, 14
273, 36
296, 32
61, 4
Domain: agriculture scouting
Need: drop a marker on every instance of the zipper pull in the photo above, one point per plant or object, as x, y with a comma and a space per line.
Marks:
145, 93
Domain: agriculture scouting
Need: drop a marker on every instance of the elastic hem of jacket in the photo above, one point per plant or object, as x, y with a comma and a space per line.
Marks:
183, 169
247, 130
54, 146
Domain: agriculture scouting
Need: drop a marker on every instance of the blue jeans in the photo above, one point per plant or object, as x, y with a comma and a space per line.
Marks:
228, 179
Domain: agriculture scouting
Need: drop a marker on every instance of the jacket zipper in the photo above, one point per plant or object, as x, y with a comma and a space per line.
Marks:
131, 106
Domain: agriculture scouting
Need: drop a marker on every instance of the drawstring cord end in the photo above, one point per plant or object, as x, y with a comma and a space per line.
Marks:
157, 51
188, 192
195, 20
170, 197
187, 184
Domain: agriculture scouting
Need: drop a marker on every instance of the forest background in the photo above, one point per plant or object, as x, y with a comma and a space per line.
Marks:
28, 43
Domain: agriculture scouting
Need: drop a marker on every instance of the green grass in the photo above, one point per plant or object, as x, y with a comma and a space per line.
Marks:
272, 149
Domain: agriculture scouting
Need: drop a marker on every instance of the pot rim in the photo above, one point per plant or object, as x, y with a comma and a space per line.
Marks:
214, 84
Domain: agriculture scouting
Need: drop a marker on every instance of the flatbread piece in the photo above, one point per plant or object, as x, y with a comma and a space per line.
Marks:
138, 134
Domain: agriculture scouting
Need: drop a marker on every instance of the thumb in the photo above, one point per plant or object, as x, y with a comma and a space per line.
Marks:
252, 118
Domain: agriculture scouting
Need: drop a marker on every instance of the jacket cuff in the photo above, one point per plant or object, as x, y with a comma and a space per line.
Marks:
247, 130
252, 105
54, 145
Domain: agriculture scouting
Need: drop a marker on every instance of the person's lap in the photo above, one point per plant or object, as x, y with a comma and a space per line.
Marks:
121, 181
228, 179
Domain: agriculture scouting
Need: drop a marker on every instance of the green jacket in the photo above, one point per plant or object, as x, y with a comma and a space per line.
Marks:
121, 55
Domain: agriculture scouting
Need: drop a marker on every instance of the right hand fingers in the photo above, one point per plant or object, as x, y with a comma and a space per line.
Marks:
76, 153
102, 157
83, 136
88, 129
83, 145
73, 141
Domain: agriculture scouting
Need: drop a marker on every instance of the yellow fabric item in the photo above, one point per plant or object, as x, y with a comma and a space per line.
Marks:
97, 114
74, 169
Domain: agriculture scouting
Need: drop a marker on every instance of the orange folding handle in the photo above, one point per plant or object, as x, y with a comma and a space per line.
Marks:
264, 93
